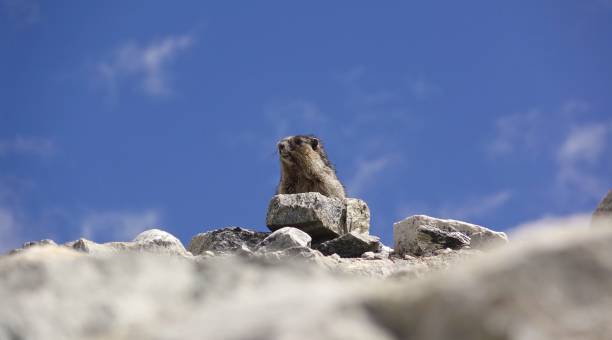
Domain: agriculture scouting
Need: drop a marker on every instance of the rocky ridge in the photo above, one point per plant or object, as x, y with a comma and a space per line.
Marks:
443, 279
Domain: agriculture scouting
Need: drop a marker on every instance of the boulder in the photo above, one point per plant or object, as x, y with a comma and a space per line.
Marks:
602, 217
406, 234
226, 240
352, 244
284, 238
323, 218
319, 216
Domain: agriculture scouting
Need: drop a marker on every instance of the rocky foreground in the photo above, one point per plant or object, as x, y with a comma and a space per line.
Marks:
443, 279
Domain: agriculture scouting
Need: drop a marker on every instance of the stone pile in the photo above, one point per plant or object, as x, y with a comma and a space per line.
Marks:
235, 283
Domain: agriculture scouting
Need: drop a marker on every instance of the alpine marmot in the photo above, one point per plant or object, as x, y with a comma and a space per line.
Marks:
306, 168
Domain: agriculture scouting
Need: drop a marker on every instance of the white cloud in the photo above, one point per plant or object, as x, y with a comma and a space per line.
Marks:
584, 144
581, 151
118, 225
27, 145
367, 172
147, 65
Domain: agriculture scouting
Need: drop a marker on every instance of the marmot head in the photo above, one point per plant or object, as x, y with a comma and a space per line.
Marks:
301, 150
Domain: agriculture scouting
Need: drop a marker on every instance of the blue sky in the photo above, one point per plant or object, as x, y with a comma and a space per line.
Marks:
120, 116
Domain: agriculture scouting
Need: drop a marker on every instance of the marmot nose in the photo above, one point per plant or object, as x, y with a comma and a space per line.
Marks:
281, 147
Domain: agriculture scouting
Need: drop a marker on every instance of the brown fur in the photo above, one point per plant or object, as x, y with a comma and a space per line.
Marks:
306, 168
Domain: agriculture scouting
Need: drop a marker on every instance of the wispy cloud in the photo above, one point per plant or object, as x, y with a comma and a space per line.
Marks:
27, 146
464, 209
366, 173
519, 131
24, 12
578, 154
118, 225
147, 65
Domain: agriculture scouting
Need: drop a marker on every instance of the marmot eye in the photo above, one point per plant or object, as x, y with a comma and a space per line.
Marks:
298, 142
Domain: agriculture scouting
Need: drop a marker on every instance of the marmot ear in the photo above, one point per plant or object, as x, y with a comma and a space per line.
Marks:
315, 143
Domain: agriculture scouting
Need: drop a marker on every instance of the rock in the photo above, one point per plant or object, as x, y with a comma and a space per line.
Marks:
320, 216
284, 238
405, 234
41, 243
430, 239
150, 241
225, 240
159, 241
352, 244
554, 286
369, 255
357, 216
602, 217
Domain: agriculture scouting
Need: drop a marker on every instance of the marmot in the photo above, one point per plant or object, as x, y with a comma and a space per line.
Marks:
306, 168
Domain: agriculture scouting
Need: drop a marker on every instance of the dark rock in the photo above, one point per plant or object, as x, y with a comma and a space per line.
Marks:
225, 240
603, 213
350, 245
430, 238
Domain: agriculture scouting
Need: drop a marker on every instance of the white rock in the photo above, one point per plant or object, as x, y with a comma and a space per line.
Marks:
357, 216
284, 238
405, 234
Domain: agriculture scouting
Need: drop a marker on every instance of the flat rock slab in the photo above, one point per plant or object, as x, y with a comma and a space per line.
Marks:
225, 240
603, 213
350, 245
406, 234
323, 218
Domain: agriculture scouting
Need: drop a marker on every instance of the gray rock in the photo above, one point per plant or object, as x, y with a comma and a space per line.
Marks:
554, 286
284, 238
352, 244
430, 239
150, 241
320, 216
602, 217
405, 234
41, 243
225, 240
357, 216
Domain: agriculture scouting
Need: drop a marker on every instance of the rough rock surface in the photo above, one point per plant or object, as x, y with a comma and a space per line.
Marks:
320, 216
352, 244
430, 239
603, 213
152, 241
357, 216
225, 240
285, 238
556, 286
406, 236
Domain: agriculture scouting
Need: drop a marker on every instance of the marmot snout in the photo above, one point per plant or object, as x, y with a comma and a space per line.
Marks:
306, 168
